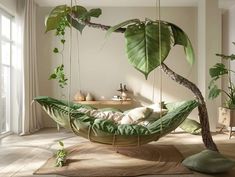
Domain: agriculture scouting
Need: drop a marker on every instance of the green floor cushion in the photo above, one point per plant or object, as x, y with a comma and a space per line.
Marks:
191, 126
209, 161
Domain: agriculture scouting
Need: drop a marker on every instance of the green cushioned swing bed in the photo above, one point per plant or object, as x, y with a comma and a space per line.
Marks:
103, 131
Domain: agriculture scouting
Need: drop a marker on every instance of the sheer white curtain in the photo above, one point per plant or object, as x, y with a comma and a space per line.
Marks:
1, 95
27, 80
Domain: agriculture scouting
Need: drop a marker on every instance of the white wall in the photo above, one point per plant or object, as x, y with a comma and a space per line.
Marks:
228, 47
209, 42
229, 34
103, 63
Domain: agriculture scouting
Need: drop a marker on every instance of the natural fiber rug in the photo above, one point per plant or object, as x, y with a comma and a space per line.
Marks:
89, 159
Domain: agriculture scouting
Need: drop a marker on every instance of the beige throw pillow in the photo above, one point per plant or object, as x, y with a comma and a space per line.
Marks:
136, 115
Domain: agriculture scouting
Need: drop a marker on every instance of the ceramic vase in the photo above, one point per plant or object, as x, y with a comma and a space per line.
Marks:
89, 97
79, 96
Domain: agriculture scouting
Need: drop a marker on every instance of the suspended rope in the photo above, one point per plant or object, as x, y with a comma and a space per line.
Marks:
70, 64
153, 91
78, 58
160, 57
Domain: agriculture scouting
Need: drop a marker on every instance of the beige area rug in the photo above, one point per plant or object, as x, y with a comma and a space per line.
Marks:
90, 159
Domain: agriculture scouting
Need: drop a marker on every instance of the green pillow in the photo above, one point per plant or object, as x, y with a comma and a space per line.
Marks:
191, 126
209, 161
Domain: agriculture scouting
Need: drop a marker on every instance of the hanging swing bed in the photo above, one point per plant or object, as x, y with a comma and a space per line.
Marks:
106, 131
148, 44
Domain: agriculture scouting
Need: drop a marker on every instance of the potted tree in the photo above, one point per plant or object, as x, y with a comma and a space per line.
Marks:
227, 110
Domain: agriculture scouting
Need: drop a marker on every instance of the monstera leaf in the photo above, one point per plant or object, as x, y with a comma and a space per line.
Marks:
218, 70
214, 92
142, 45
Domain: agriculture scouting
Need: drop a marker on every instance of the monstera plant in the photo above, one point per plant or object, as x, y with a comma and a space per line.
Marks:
148, 44
217, 72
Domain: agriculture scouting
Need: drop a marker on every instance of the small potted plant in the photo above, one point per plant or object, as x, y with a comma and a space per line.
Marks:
227, 111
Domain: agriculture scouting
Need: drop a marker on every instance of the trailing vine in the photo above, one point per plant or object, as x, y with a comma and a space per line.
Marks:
59, 73
60, 19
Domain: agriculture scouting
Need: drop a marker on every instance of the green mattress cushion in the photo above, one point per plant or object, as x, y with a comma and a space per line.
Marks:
191, 126
209, 161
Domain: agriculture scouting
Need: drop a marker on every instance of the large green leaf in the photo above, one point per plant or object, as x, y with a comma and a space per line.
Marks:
74, 23
181, 38
214, 92
218, 70
142, 45
54, 18
95, 12
79, 11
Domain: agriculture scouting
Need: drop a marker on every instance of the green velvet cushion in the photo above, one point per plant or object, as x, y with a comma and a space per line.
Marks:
191, 126
209, 161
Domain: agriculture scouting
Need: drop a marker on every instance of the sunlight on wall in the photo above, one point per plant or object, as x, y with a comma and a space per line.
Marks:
147, 93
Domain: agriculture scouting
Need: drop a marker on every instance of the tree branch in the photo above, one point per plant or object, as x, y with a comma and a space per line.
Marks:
98, 25
202, 110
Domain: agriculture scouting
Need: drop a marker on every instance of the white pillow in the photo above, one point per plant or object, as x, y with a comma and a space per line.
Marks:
136, 115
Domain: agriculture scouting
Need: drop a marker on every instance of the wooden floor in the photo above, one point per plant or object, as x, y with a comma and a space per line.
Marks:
22, 155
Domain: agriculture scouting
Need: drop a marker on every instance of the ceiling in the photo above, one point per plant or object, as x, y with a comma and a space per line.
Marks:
120, 3
131, 3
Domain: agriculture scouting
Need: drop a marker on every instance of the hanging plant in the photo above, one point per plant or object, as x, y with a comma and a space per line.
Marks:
59, 19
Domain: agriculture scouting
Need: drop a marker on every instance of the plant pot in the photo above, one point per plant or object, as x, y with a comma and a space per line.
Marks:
79, 96
227, 118
89, 97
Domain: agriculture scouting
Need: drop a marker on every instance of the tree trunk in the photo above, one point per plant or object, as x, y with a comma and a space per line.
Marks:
202, 110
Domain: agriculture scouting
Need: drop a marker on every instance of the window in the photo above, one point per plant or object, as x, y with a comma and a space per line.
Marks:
5, 70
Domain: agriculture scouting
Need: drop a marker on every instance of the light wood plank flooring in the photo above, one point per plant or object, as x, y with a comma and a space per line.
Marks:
21, 155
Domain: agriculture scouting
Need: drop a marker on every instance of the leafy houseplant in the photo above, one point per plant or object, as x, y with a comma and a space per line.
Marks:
227, 112
144, 52
61, 155
217, 72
